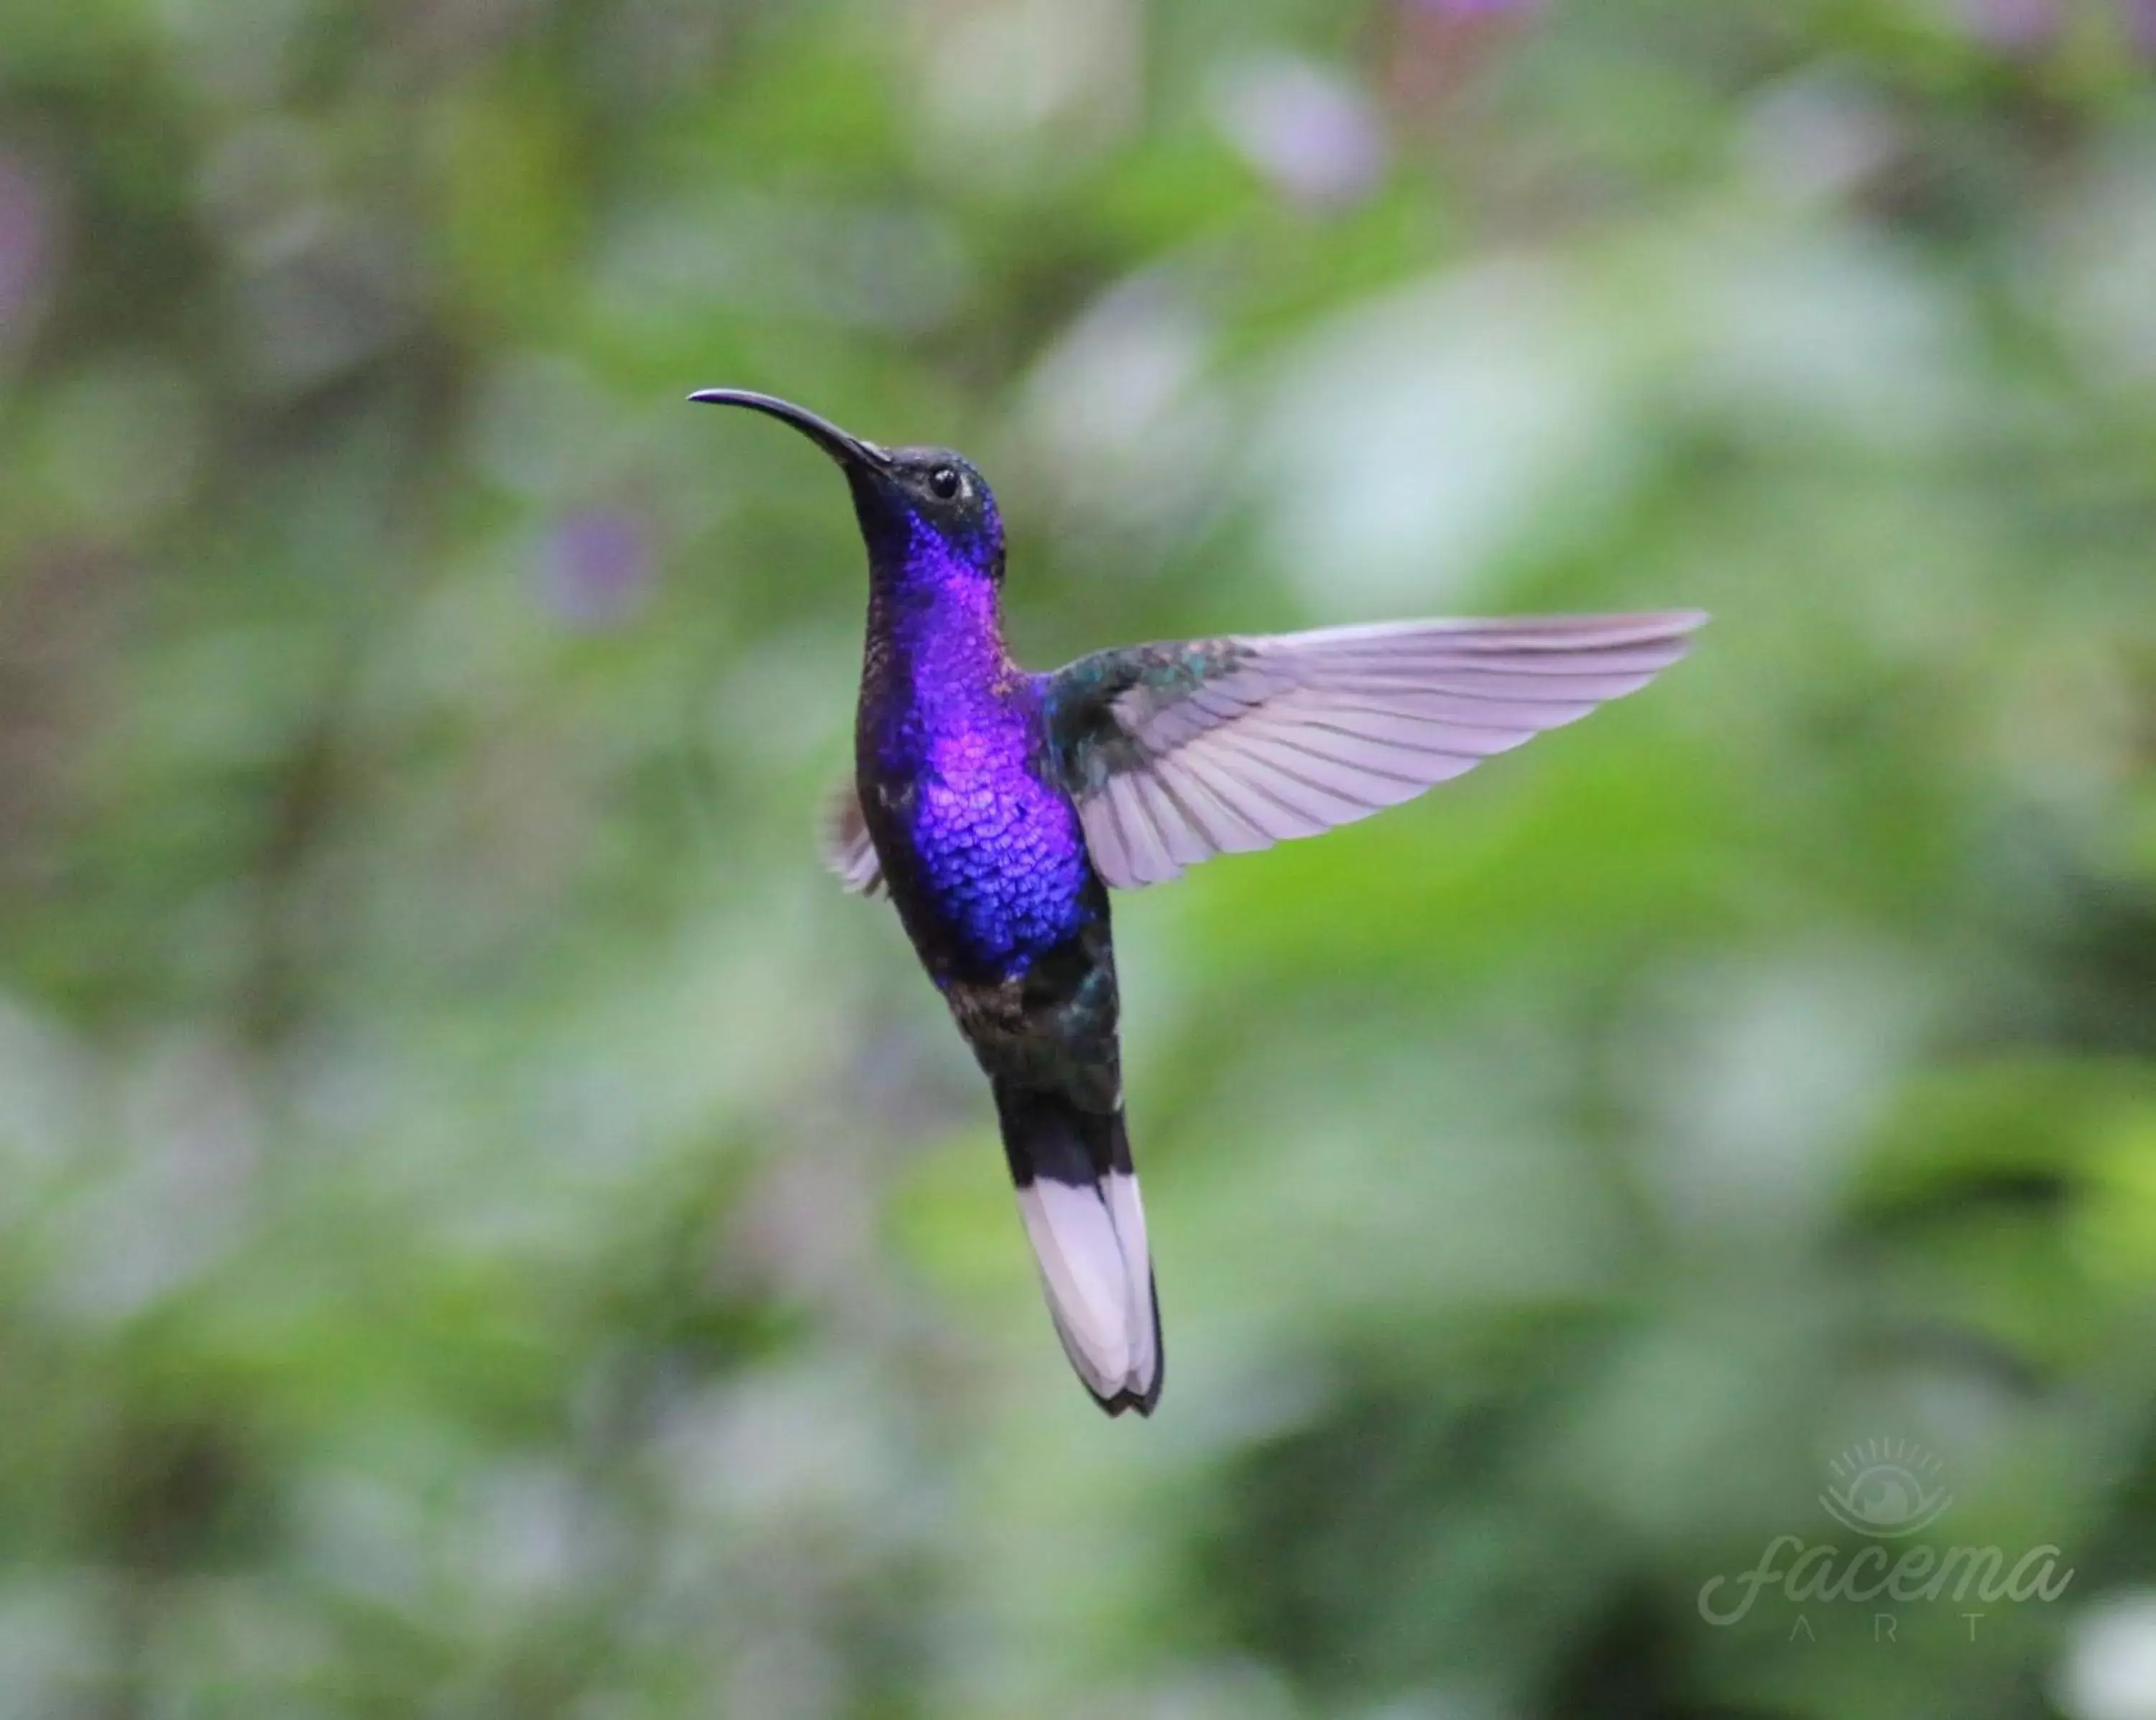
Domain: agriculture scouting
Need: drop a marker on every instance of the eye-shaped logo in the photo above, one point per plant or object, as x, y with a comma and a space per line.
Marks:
1886, 1488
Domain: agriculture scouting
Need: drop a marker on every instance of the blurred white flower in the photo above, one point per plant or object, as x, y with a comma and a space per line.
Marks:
1313, 133
1817, 136
1003, 83
1119, 404
1418, 438
2109, 1671
2092, 259
1833, 330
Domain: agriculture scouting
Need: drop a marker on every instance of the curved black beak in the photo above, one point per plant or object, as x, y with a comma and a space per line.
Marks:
848, 451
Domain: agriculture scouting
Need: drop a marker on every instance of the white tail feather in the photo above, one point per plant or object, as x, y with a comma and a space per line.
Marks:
1090, 1244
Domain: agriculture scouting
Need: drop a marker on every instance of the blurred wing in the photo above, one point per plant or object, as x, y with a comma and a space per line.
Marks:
847, 849
1178, 752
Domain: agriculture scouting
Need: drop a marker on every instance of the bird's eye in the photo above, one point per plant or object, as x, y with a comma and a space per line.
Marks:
943, 483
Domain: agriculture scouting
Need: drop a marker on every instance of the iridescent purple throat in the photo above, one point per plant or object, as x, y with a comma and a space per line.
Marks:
1000, 859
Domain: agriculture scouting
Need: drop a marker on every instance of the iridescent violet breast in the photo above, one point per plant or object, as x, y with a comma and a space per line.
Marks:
1001, 853
1002, 867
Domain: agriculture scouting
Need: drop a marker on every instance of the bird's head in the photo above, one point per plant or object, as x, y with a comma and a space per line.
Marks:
919, 508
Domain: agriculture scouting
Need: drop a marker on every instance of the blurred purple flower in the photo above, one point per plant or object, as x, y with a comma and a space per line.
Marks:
599, 566
2141, 24
2014, 26
1310, 130
1439, 45
1475, 8
29, 244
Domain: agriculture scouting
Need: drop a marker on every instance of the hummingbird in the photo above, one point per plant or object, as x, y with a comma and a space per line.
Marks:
996, 807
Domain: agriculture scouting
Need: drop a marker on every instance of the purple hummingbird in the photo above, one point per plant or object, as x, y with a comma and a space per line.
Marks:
996, 807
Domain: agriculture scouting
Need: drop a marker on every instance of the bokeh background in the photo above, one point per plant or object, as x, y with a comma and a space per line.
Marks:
488, 1228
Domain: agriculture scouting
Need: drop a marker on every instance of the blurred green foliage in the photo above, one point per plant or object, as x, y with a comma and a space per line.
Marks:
487, 1228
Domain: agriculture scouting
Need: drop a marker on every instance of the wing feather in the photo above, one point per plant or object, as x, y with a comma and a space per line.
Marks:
847, 849
1141, 839
1177, 752
1216, 826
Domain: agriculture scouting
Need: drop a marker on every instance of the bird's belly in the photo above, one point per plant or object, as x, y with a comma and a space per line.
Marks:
1000, 860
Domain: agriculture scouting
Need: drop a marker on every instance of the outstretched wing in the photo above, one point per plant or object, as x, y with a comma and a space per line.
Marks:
1180, 751
847, 849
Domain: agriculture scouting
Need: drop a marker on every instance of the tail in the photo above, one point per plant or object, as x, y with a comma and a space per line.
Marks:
1079, 1197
